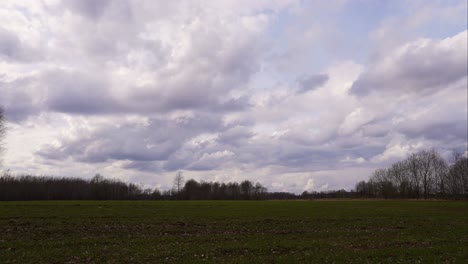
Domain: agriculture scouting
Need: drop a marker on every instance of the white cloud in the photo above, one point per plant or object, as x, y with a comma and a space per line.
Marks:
422, 66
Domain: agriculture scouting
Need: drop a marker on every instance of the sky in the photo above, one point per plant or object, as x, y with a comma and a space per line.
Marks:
297, 95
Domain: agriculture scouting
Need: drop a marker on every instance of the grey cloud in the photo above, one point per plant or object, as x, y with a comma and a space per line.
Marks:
233, 104
438, 130
78, 92
299, 156
301, 136
440, 117
90, 8
13, 49
201, 78
312, 82
423, 66
191, 89
146, 166
212, 160
9, 44
205, 166
59, 91
376, 129
20, 99
193, 98
156, 141
108, 31
236, 136
176, 163
19, 107
286, 156
313, 158
89, 93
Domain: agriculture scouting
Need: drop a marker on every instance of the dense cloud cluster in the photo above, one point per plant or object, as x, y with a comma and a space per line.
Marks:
226, 90
421, 66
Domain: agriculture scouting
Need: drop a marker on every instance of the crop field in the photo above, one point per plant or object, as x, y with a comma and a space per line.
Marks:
336, 231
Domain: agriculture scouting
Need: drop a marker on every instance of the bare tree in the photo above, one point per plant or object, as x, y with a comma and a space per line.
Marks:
414, 167
432, 167
440, 170
383, 183
178, 181
400, 177
246, 189
457, 176
424, 174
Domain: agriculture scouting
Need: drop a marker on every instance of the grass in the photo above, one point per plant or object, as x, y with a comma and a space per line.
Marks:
234, 232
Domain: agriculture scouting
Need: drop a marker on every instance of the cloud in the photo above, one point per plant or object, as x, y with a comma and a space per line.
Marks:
422, 66
9, 45
140, 89
89, 8
355, 120
13, 49
20, 98
156, 139
441, 121
142, 64
311, 82
78, 92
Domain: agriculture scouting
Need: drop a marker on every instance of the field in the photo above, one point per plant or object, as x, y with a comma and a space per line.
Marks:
234, 232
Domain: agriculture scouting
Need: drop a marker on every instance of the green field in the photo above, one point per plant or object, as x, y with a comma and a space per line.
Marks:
234, 232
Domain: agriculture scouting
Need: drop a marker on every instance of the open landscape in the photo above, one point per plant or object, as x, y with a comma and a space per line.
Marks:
351, 231
233, 131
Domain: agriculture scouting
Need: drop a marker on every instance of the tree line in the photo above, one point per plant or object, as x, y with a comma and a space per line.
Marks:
27, 187
245, 190
421, 175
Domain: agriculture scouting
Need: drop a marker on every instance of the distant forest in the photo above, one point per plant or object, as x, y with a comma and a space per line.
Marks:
99, 188
422, 175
